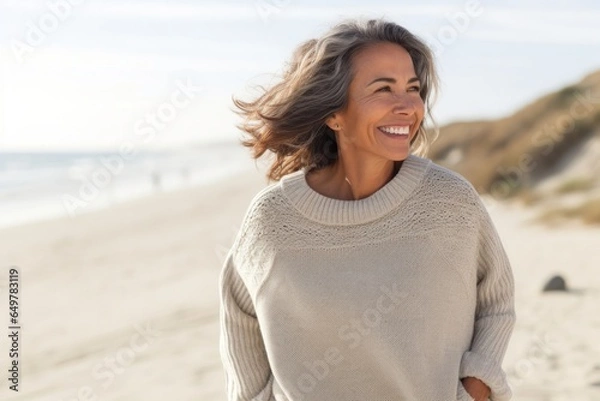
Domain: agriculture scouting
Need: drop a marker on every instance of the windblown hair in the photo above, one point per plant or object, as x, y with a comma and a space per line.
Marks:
289, 118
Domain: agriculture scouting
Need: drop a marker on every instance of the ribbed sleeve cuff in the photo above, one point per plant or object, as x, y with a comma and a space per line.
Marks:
489, 372
267, 393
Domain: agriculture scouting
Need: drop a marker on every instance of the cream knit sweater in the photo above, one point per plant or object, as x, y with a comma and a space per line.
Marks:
392, 297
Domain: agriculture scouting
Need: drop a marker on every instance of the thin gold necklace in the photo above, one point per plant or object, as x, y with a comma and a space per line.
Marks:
394, 172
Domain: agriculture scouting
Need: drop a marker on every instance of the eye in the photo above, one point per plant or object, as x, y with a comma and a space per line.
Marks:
384, 89
415, 88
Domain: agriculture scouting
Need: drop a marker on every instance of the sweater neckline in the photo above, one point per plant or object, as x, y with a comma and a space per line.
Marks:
331, 211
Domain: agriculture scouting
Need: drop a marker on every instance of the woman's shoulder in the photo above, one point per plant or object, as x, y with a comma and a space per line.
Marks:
447, 198
269, 202
265, 220
449, 184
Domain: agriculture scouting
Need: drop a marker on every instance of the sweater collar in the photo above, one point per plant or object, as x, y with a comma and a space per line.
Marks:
332, 211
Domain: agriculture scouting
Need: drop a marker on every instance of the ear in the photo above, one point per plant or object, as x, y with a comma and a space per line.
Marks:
333, 122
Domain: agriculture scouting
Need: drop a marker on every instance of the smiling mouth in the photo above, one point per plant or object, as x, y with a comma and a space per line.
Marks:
401, 131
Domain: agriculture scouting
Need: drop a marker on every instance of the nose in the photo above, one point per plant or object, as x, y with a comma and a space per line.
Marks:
405, 104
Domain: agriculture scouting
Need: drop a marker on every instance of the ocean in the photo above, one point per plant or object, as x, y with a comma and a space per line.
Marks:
36, 186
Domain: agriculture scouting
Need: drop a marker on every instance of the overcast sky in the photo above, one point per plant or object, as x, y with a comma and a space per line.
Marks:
93, 74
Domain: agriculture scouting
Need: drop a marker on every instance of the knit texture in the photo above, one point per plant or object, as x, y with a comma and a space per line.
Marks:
396, 296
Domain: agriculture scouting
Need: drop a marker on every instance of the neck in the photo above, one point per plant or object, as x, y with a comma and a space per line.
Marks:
351, 181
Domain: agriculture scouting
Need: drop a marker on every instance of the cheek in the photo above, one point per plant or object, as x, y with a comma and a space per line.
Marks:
419, 106
367, 106
365, 111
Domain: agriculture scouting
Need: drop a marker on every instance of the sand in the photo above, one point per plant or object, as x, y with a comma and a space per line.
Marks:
122, 304
90, 284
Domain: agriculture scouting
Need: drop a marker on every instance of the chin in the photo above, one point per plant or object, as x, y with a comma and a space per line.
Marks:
399, 155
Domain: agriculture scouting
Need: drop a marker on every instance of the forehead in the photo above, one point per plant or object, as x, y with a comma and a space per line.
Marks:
382, 59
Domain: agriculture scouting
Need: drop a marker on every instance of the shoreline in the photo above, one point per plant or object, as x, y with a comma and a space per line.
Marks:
107, 198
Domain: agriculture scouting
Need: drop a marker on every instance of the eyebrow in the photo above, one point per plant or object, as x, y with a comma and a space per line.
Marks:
392, 80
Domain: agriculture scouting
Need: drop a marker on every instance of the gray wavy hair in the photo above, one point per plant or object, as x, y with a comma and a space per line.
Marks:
288, 119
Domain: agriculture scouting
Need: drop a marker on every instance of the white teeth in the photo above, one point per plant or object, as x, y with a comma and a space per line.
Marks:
397, 130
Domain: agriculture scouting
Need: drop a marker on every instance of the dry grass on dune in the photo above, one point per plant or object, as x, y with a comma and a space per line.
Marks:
509, 155
588, 213
576, 185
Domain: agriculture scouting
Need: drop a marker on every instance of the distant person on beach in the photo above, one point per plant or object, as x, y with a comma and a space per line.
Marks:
156, 185
185, 173
366, 272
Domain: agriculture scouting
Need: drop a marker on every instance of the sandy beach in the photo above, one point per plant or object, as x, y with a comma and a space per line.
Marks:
122, 304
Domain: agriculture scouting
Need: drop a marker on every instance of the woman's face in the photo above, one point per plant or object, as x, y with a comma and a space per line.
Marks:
384, 109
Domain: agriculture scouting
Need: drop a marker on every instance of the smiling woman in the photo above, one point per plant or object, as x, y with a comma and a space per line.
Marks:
381, 118
290, 119
367, 272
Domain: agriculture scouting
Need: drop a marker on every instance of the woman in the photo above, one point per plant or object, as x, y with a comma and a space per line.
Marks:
366, 272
